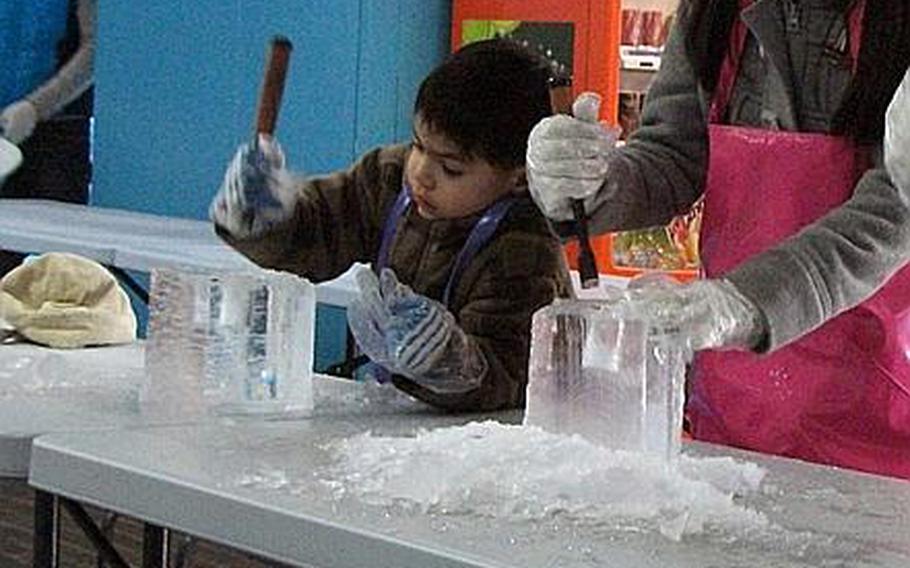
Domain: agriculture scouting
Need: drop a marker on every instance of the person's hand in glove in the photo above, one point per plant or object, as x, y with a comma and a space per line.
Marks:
18, 120
412, 335
897, 136
257, 192
705, 314
568, 158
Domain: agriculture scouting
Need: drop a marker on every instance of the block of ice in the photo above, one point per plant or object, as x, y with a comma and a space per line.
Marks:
597, 372
228, 343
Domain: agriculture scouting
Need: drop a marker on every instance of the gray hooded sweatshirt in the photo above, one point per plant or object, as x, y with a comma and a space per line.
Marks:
833, 264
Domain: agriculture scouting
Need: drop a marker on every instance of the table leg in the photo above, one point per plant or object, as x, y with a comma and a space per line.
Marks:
107, 529
105, 549
155, 546
46, 536
182, 551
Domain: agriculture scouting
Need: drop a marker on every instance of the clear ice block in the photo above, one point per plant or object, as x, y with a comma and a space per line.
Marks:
597, 373
229, 343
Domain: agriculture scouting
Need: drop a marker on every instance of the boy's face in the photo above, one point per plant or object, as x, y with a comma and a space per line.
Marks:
447, 184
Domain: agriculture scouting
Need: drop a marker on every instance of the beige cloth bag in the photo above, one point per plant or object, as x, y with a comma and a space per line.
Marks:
66, 301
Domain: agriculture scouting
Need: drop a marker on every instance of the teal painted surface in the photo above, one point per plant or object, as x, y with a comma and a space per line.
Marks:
400, 43
29, 33
378, 86
331, 337
425, 32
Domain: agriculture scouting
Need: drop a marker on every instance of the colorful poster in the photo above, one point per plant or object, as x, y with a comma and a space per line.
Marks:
671, 248
553, 40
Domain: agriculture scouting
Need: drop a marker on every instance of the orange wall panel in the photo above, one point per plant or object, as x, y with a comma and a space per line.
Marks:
596, 39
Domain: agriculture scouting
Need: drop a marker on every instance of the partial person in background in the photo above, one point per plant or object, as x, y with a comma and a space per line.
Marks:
461, 256
775, 112
46, 62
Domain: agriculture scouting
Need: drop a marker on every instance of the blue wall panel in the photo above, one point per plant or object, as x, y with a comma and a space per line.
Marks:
166, 104
425, 29
400, 42
177, 84
377, 96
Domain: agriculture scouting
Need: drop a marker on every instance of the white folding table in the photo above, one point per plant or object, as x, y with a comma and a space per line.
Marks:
129, 240
45, 390
191, 479
62, 390
59, 390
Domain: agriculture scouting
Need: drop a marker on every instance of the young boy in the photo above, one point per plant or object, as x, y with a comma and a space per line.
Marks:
461, 256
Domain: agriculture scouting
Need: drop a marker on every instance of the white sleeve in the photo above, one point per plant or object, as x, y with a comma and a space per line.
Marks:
75, 77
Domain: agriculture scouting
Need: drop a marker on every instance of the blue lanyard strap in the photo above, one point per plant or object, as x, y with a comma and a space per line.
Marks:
480, 235
402, 202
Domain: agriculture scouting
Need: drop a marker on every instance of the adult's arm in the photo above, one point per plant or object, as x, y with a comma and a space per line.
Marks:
660, 172
75, 77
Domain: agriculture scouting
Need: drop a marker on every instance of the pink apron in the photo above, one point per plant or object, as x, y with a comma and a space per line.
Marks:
841, 394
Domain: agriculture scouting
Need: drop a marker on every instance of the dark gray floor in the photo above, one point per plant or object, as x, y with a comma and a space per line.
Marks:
16, 499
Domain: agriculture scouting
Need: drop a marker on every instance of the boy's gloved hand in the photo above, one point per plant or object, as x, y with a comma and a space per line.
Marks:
897, 136
18, 120
705, 314
568, 158
412, 335
257, 191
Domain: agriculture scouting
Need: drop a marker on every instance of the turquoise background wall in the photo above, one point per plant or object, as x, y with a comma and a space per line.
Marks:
177, 84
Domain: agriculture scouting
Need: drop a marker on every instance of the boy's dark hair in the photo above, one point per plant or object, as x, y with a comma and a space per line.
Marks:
486, 98
883, 58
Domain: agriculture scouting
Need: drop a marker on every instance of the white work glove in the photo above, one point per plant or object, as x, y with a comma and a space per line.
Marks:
897, 136
257, 192
411, 335
704, 314
568, 158
18, 120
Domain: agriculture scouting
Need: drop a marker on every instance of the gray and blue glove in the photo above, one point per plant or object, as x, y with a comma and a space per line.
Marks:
257, 192
411, 335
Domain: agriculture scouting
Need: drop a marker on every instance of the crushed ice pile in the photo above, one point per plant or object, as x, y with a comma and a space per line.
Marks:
524, 473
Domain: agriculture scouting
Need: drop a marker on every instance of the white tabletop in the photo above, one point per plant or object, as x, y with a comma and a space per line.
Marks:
190, 479
130, 240
45, 390
60, 390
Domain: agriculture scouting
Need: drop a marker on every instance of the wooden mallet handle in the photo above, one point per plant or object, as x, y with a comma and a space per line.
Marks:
273, 85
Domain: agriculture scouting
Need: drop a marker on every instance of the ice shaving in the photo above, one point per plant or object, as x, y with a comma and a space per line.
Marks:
600, 439
523, 473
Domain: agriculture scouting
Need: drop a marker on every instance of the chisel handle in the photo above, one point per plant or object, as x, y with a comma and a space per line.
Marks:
561, 103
